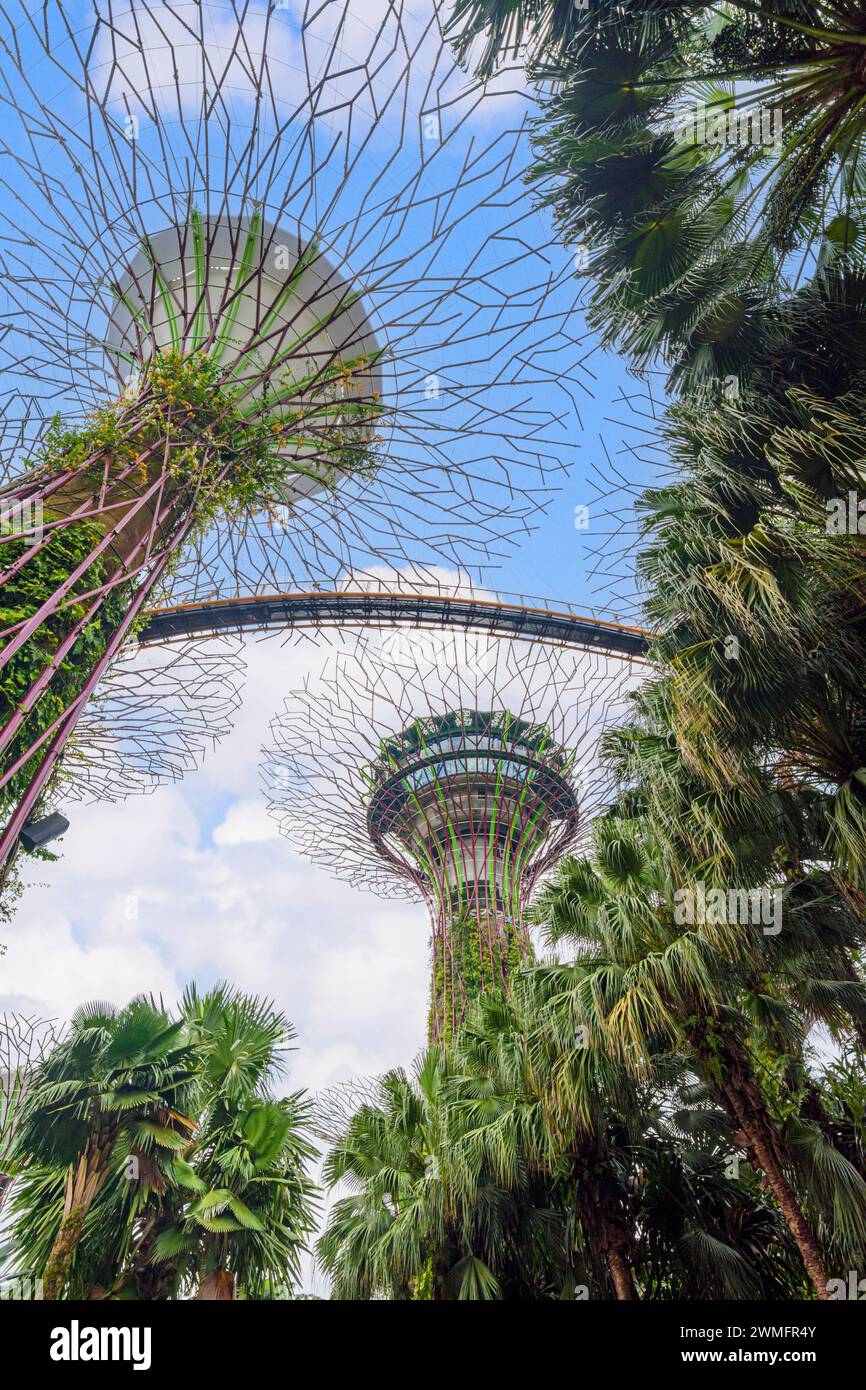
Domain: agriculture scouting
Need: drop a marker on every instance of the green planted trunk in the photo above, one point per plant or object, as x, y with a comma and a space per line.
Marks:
22, 596
469, 959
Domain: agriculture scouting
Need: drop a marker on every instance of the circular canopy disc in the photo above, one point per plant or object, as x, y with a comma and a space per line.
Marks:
288, 329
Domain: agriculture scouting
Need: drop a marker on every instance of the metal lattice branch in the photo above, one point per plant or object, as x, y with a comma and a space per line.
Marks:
334, 1108
24, 1041
152, 718
638, 461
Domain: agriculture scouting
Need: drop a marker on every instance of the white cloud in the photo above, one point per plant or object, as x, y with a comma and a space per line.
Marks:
168, 53
374, 981
49, 969
246, 822
164, 51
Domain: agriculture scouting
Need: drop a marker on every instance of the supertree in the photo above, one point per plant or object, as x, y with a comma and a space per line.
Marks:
274, 304
451, 768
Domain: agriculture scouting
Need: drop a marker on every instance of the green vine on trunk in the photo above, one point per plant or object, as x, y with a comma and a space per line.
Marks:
181, 416
478, 965
22, 596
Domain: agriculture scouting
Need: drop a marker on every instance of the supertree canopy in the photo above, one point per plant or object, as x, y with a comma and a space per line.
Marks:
273, 307
450, 768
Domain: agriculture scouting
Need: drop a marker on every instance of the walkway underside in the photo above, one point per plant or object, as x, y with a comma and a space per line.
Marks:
383, 608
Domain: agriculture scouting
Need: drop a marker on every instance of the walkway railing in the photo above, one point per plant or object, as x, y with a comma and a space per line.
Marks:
386, 603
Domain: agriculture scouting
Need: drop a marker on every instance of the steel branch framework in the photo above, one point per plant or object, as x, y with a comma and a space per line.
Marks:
24, 1041
616, 483
449, 768
333, 1109
275, 269
152, 718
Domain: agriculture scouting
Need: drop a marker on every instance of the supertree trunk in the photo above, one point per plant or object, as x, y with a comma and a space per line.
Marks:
470, 955
75, 583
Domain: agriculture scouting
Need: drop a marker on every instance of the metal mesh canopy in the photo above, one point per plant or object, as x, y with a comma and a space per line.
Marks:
152, 718
336, 730
24, 1042
395, 259
334, 1108
636, 458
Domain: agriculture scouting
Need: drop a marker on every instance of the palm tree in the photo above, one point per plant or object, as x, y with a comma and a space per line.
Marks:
114, 1085
747, 835
642, 983
656, 1213
503, 1169
540, 28
530, 1091
215, 1201
693, 232
759, 605
243, 1227
396, 1235
427, 1217
246, 1209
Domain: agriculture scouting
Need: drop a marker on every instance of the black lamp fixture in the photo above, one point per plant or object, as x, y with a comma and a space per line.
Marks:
40, 832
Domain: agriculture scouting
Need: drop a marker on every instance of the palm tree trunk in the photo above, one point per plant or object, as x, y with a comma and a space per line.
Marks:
604, 1218
62, 1251
218, 1286
444, 1260
620, 1273
154, 1279
83, 1181
727, 1068
791, 1210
